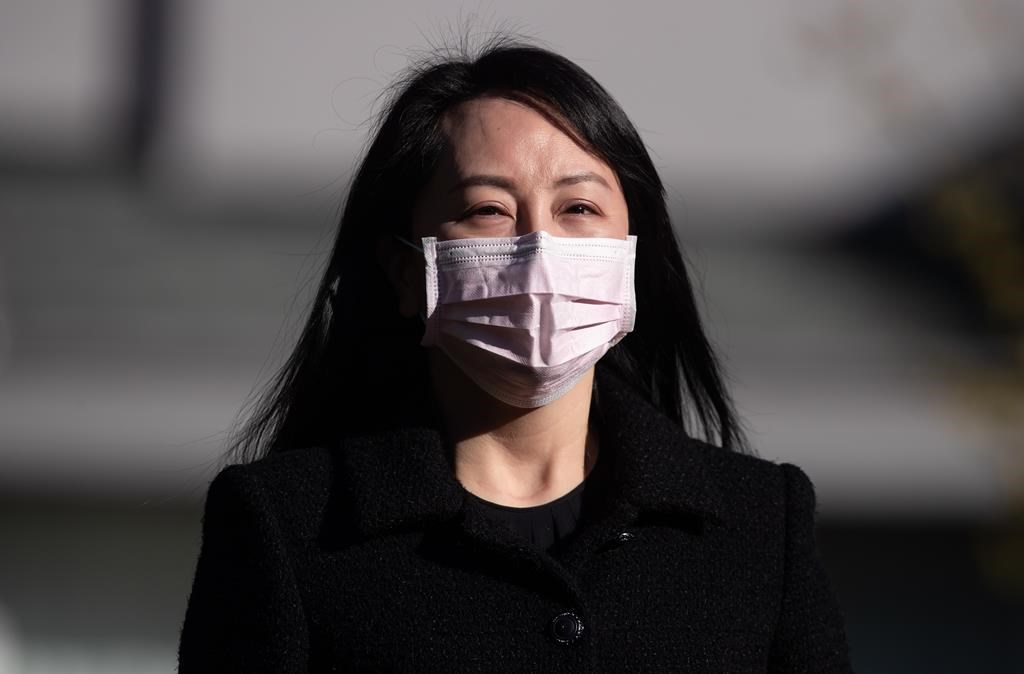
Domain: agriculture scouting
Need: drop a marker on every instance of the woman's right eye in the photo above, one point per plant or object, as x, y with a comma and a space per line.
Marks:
489, 210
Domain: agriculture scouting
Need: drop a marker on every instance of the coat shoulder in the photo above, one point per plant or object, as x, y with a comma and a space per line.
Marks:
751, 487
295, 485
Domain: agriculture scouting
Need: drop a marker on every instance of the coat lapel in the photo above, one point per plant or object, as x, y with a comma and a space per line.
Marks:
656, 466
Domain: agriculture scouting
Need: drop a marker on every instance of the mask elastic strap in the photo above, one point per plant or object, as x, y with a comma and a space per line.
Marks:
409, 243
423, 316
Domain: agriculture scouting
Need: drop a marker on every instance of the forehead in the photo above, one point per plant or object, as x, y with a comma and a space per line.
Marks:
492, 133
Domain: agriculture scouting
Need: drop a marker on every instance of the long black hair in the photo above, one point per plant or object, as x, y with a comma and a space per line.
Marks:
358, 366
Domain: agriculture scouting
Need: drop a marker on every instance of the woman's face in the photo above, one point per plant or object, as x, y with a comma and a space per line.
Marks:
508, 171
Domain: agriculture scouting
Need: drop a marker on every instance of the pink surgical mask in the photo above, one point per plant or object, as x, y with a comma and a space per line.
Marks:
526, 317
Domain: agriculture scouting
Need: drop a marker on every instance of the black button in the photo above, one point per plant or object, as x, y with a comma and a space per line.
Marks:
566, 628
624, 537
620, 538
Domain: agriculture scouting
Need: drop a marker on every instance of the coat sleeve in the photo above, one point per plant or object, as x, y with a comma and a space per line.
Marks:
244, 613
810, 636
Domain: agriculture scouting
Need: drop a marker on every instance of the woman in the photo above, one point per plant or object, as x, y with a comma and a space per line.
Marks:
482, 455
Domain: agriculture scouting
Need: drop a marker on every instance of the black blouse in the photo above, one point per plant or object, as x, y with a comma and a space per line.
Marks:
545, 524
542, 524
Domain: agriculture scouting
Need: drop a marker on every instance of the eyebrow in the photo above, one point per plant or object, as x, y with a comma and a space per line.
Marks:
506, 184
585, 177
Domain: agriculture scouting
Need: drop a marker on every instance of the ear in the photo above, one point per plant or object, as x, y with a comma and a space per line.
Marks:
404, 269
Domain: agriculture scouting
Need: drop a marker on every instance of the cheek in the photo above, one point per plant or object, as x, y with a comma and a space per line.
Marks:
618, 211
621, 220
623, 224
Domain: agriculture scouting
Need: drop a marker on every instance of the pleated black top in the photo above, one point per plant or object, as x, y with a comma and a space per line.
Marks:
542, 524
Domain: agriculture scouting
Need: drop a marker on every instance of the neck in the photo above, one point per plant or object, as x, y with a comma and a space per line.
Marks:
510, 455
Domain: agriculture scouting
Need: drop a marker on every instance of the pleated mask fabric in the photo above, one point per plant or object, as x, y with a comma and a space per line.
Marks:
525, 317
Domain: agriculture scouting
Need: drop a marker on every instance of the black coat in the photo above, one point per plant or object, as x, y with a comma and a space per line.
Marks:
368, 557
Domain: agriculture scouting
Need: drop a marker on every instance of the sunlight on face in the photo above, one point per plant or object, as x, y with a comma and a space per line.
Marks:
508, 171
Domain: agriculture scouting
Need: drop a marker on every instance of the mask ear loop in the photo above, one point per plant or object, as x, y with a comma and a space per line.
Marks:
409, 243
419, 249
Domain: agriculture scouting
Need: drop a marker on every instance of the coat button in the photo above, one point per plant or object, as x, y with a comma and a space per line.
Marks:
620, 539
566, 628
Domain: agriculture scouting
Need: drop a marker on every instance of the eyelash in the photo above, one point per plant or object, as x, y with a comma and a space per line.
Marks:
490, 207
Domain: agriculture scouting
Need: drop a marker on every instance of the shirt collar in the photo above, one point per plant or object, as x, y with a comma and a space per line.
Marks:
404, 478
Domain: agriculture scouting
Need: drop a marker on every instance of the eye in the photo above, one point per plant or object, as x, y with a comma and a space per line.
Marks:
486, 211
581, 208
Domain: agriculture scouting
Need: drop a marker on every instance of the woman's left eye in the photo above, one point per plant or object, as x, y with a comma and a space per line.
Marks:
580, 209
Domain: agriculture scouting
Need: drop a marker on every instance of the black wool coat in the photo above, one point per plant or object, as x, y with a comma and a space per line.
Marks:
367, 556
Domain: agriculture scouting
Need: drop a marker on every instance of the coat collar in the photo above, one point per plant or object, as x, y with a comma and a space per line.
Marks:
404, 478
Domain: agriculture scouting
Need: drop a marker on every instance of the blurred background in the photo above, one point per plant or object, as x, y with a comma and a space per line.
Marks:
847, 178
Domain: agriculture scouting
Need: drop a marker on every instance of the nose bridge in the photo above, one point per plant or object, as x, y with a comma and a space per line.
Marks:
533, 216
